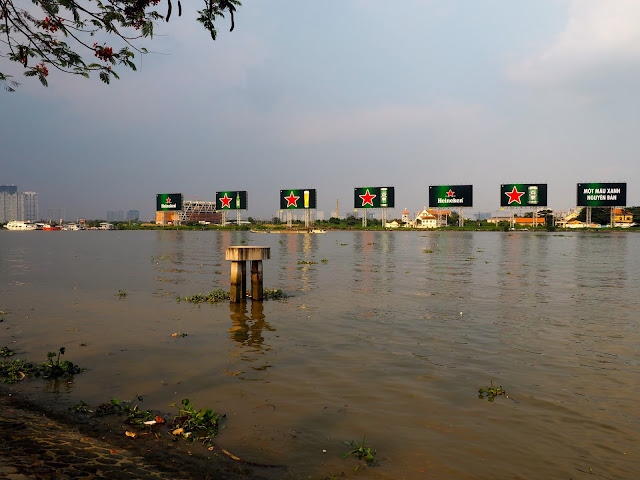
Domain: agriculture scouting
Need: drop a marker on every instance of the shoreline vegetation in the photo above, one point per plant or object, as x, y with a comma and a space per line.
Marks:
49, 442
325, 226
600, 221
472, 226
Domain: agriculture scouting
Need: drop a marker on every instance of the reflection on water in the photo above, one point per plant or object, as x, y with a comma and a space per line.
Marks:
298, 270
248, 330
391, 337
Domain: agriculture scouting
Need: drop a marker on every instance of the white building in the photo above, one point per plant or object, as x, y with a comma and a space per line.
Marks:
425, 219
405, 216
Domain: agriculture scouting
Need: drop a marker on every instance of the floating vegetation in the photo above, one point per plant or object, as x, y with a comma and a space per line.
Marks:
325, 260
490, 393
211, 297
57, 369
194, 424
219, 295
360, 451
427, 250
6, 352
82, 407
190, 423
274, 294
306, 262
12, 371
121, 294
135, 415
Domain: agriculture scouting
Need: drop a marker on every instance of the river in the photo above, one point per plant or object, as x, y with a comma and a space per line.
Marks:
387, 335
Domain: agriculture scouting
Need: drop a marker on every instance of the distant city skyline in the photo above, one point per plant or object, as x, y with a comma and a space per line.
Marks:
26, 205
432, 93
17, 205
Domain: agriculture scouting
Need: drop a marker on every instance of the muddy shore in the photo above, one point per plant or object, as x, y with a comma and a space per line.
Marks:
39, 442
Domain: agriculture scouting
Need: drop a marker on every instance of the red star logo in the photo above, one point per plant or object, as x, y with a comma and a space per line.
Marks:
168, 200
514, 196
451, 193
367, 198
226, 201
292, 200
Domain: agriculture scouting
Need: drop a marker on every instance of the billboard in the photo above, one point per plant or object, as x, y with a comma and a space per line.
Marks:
297, 198
374, 197
167, 202
523, 195
231, 200
450, 196
602, 195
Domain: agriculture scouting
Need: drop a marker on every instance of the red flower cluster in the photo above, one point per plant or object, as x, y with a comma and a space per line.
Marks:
103, 53
47, 24
42, 68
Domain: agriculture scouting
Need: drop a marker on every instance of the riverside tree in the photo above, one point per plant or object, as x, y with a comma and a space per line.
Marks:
61, 34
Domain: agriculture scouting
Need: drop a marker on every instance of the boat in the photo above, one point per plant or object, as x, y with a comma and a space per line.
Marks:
72, 226
314, 230
48, 226
20, 225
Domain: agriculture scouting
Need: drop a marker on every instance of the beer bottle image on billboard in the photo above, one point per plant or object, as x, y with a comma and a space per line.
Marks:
231, 200
523, 195
298, 198
374, 197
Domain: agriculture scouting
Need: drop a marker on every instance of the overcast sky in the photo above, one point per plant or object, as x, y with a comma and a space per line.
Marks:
340, 94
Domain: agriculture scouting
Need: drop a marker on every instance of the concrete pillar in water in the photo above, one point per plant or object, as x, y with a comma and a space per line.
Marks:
257, 290
239, 256
238, 281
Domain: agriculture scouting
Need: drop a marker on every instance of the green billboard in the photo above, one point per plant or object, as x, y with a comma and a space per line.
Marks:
602, 195
231, 200
167, 202
523, 195
450, 196
374, 197
297, 198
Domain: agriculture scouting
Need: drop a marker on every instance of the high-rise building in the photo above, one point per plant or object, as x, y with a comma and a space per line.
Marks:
133, 215
9, 203
115, 215
30, 206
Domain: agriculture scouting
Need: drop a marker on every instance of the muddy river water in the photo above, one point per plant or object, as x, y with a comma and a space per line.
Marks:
387, 335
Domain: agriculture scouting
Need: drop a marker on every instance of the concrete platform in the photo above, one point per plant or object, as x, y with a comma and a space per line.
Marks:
244, 253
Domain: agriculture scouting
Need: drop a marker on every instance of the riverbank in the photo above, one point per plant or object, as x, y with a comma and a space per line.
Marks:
41, 443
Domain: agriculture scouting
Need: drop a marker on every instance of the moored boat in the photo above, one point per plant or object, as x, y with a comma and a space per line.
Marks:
19, 225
